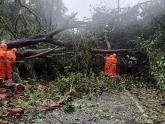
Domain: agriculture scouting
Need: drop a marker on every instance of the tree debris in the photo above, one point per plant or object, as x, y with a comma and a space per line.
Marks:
40, 86
16, 112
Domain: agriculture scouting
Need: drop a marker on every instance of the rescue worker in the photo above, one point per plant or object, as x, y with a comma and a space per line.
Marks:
111, 65
107, 64
3, 51
10, 61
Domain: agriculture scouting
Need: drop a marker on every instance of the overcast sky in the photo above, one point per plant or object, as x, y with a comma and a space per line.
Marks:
83, 6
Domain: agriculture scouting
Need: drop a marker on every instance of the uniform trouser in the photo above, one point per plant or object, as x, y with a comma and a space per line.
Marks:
9, 70
106, 67
2, 69
112, 70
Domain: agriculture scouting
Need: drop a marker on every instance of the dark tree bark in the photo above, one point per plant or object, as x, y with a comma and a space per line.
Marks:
102, 51
40, 52
48, 38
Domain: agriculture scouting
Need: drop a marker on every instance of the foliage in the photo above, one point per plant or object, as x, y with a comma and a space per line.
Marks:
16, 75
155, 50
119, 30
31, 98
125, 25
96, 84
76, 70
84, 85
52, 12
69, 109
17, 21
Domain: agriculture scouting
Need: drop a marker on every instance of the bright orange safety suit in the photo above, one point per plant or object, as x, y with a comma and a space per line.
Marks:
11, 59
3, 50
107, 64
110, 65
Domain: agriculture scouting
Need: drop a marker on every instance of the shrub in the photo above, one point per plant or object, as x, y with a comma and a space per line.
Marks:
155, 50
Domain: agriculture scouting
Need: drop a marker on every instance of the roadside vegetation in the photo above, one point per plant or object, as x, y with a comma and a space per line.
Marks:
67, 82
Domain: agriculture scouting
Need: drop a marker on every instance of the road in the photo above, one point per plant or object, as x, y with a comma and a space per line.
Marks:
110, 108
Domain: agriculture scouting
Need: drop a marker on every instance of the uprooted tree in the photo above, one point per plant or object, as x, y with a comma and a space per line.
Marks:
112, 22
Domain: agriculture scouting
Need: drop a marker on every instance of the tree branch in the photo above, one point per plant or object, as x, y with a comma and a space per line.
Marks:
146, 10
7, 27
24, 42
39, 54
32, 53
95, 51
64, 27
38, 19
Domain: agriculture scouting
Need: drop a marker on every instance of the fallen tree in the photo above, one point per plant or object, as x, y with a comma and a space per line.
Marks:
60, 47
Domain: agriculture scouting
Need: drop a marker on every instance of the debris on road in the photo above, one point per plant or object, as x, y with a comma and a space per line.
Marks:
16, 112
40, 86
53, 106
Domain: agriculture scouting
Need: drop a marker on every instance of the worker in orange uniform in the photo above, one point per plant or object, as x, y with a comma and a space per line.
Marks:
107, 64
3, 51
10, 61
111, 65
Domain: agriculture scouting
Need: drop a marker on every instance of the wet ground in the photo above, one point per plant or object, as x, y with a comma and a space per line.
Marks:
111, 108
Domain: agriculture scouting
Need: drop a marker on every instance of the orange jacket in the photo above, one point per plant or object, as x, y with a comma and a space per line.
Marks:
11, 56
111, 59
2, 53
3, 50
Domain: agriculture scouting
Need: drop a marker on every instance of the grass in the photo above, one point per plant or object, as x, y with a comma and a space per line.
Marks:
88, 86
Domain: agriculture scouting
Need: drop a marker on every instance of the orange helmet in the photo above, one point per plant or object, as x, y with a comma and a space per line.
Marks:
3, 46
14, 49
